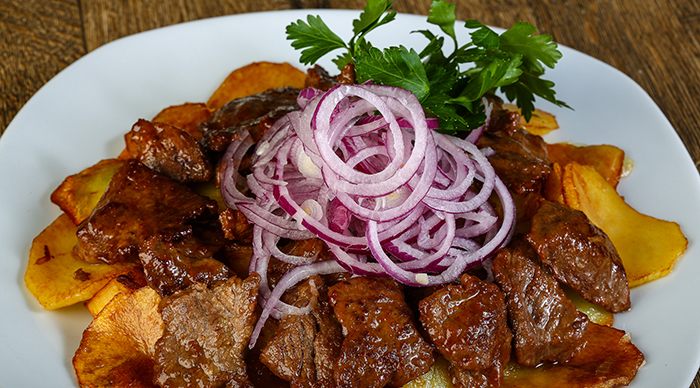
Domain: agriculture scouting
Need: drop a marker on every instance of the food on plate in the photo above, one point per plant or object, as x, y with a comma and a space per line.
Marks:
256, 78
185, 116
606, 358
56, 277
649, 247
322, 232
118, 347
608, 160
541, 122
127, 282
78, 194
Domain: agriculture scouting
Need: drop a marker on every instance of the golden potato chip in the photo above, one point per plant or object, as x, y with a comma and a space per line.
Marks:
125, 155
541, 122
186, 116
130, 281
56, 277
256, 78
606, 359
78, 194
595, 313
553, 190
606, 159
117, 348
648, 247
437, 377
209, 190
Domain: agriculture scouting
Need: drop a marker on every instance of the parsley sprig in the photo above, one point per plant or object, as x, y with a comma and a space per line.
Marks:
450, 87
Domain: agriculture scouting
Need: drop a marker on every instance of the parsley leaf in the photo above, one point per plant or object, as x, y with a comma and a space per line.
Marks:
371, 16
450, 86
314, 39
442, 14
534, 48
397, 66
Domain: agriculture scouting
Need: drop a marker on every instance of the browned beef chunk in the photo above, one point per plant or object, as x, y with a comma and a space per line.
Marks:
170, 151
580, 255
468, 324
382, 345
169, 269
546, 325
520, 159
318, 78
305, 347
236, 226
503, 120
206, 331
347, 74
237, 257
259, 374
254, 113
312, 248
139, 203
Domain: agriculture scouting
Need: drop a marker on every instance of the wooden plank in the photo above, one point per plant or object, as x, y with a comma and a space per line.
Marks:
37, 40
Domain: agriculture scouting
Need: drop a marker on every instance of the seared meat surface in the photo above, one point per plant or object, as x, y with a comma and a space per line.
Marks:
305, 347
139, 203
236, 226
206, 332
520, 160
382, 345
468, 325
170, 151
580, 255
168, 269
546, 325
254, 113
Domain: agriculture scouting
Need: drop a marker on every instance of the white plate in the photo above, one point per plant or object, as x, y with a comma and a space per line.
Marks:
79, 117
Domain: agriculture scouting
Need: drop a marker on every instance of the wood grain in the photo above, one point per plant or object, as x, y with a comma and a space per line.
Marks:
655, 42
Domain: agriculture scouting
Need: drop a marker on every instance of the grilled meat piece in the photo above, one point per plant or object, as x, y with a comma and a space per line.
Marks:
206, 332
382, 345
318, 78
546, 325
169, 269
236, 226
468, 324
580, 255
305, 347
170, 151
520, 159
138, 204
254, 113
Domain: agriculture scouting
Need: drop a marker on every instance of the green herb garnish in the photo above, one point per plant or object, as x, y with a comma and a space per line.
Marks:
449, 87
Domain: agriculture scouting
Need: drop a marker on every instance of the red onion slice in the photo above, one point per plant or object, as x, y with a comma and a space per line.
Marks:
361, 168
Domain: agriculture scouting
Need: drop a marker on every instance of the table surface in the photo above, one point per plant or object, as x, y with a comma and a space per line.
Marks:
655, 42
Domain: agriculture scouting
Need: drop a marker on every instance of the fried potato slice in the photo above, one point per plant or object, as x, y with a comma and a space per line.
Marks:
117, 348
130, 281
606, 359
256, 78
210, 190
185, 116
649, 247
56, 277
553, 190
595, 313
437, 377
541, 122
608, 160
78, 194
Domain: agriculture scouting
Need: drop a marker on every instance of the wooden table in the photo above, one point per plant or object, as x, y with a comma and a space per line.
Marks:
655, 42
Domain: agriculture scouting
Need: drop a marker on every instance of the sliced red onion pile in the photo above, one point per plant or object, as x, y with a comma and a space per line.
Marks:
362, 168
